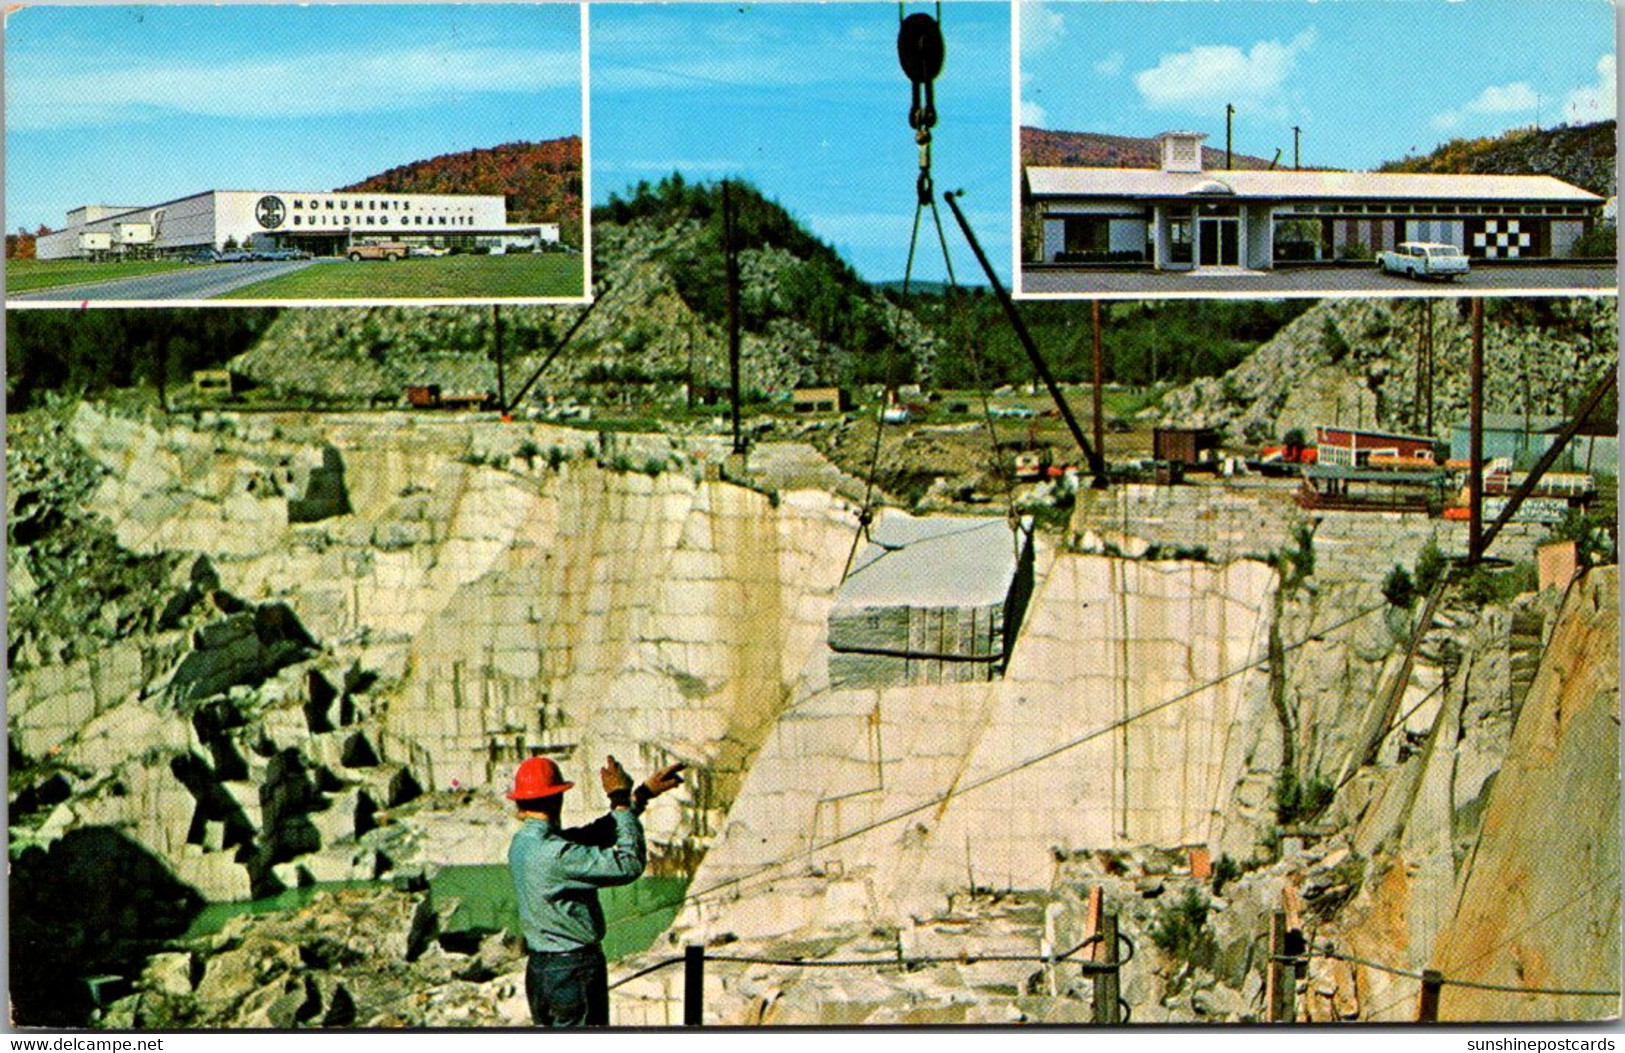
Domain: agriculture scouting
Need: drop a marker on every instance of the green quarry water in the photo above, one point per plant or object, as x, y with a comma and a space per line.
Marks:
486, 902
213, 917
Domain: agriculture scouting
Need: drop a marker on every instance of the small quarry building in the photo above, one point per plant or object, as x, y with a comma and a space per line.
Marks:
323, 223
1184, 217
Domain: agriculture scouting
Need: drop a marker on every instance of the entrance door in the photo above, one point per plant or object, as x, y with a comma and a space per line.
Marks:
1220, 239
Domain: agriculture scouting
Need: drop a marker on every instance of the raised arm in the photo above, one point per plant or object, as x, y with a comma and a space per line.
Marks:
609, 851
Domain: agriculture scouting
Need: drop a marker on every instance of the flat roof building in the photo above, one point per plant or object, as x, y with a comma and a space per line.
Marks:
1183, 216
324, 223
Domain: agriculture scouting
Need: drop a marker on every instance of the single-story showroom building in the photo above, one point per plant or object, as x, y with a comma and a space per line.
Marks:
1180, 217
322, 223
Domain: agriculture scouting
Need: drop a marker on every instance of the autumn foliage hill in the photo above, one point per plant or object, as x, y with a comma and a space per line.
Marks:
542, 180
1043, 147
1582, 154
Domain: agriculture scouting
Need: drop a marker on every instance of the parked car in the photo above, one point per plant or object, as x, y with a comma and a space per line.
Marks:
202, 256
379, 250
427, 250
234, 256
282, 254
1423, 259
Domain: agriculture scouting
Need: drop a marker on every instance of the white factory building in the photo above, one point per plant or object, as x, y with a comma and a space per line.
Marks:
1185, 216
325, 223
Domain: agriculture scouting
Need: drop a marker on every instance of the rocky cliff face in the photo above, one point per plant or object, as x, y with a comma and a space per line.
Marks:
1354, 362
642, 335
271, 650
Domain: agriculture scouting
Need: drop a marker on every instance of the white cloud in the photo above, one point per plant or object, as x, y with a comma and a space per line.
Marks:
312, 85
1041, 26
1210, 75
1111, 65
1517, 97
1033, 115
1590, 102
1595, 102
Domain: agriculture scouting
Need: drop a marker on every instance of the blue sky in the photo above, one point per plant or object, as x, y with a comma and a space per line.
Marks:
1367, 81
807, 102
136, 105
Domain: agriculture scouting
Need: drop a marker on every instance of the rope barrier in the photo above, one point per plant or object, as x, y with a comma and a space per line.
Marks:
959, 959
1443, 981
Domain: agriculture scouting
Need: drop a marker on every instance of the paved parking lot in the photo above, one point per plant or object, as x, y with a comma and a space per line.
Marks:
1306, 282
202, 282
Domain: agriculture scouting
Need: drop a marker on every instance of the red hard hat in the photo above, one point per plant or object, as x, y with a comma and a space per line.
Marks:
537, 777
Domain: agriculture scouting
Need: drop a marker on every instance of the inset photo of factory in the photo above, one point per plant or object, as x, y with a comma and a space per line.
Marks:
1201, 150
374, 154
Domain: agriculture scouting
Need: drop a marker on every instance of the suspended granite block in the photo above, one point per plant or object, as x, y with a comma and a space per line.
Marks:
930, 601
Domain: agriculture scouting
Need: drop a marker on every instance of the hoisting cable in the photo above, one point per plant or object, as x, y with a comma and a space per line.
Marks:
920, 51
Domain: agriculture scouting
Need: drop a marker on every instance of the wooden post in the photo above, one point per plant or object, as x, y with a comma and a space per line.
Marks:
1097, 904
1107, 1011
1427, 1009
693, 985
1280, 983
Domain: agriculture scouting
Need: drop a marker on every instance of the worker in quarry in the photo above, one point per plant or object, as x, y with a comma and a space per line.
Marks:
556, 876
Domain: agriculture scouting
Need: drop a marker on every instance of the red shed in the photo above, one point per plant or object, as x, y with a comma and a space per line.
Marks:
1353, 448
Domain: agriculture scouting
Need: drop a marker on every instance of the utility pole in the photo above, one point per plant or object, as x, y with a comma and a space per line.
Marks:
1422, 399
1100, 380
730, 254
496, 336
1295, 132
1427, 344
1475, 478
1229, 112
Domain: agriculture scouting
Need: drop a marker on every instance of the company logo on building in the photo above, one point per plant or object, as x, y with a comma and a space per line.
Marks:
270, 211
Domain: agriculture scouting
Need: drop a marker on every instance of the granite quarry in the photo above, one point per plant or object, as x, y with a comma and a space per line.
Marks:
260, 652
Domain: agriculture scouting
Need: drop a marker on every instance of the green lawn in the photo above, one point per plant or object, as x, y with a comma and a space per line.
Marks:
23, 275
530, 274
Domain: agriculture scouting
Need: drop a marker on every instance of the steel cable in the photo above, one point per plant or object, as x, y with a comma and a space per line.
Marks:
737, 883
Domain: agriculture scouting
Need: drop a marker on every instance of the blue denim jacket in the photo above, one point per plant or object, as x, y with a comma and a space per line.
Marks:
557, 875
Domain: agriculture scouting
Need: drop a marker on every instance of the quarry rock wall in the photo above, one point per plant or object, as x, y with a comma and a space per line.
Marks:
1122, 718
1538, 899
500, 587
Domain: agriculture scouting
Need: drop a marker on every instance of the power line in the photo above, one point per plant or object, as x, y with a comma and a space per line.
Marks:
1039, 758
737, 883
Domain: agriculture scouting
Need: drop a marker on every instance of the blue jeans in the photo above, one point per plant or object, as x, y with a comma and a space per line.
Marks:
568, 988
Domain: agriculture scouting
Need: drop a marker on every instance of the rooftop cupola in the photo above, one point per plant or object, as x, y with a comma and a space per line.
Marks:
1181, 151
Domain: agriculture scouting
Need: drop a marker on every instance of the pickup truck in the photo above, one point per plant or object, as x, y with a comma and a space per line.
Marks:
381, 250
1423, 259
